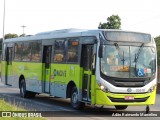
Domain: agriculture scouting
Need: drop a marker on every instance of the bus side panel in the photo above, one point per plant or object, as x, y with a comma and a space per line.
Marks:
61, 75
93, 89
58, 78
32, 73
3, 71
75, 74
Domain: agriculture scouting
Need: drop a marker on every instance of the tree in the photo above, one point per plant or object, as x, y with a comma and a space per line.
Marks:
1, 46
22, 35
113, 22
9, 35
157, 40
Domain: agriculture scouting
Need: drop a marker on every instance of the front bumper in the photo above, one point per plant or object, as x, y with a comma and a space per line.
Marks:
103, 98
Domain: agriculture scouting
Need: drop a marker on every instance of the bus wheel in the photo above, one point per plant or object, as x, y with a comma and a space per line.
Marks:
23, 91
121, 107
74, 100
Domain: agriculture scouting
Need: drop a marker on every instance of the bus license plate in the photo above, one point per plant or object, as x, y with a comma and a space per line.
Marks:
129, 98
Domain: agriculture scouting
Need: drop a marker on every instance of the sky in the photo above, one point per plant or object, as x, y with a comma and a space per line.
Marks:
47, 15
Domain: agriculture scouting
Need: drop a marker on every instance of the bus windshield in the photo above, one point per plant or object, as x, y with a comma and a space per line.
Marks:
128, 61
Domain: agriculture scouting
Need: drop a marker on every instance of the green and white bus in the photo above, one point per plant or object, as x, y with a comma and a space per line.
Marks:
99, 67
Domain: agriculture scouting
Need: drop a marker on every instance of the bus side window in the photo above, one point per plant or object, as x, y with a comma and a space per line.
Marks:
59, 51
36, 51
26, 56
18, 51
72, 53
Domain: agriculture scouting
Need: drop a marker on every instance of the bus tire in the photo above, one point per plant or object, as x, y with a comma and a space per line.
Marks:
23, 92
121, 107
74, 100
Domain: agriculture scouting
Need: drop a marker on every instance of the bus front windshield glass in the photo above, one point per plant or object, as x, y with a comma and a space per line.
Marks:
128, 61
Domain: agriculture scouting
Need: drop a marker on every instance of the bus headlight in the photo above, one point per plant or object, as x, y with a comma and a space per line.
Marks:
103, 88
152, 88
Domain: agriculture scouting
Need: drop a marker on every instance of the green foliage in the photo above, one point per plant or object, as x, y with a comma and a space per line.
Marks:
22, 35
1, 49
157, 39
113, 22
9, 35
1, 45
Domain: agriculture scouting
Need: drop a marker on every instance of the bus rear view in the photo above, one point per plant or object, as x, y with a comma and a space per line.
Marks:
127, 69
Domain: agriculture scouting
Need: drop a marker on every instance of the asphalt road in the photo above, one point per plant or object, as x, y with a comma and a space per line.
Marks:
58, 108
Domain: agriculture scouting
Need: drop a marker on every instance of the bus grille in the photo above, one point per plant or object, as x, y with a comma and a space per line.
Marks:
123, 100
129, 84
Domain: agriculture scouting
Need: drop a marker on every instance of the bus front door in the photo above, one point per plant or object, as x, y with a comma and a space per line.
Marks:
9, 73
47, 51
86, 61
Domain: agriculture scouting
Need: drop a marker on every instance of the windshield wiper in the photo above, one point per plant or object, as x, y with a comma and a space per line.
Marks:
138, 53
136, 60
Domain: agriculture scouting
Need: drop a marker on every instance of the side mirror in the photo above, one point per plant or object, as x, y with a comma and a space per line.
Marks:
100, 52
